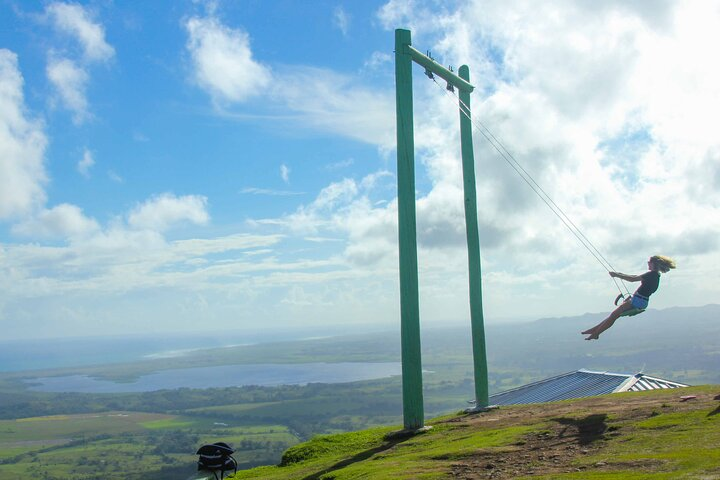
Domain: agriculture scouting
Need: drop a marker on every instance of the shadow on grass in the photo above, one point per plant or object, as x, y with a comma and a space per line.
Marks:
714, 412
589, 429
389, 443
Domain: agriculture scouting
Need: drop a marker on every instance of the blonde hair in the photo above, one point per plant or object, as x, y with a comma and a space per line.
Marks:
663, 263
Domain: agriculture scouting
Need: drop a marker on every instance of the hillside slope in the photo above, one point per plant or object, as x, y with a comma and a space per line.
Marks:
649, 435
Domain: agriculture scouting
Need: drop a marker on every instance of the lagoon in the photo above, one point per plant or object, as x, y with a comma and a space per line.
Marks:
223, 376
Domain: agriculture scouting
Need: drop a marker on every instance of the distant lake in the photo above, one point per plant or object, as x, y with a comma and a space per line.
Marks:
224, 376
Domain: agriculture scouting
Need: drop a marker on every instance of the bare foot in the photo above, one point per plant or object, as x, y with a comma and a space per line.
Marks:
588, 331
594, 336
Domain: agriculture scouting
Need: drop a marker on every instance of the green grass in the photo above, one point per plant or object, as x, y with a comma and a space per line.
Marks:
427, 456
669, 440
422, 456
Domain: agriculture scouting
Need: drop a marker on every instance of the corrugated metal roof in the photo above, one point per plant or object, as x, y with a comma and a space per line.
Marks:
645, 382
579, 384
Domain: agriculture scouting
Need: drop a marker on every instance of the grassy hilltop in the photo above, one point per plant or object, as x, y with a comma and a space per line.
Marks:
649, 435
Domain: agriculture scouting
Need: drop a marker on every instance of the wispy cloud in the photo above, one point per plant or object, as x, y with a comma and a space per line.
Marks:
377, 60
340, 165
112, 175
285, 173
139, 137
68, 76
341, 20
70, 81
267, 191
323, 239
328, 101
77, 22
86, 163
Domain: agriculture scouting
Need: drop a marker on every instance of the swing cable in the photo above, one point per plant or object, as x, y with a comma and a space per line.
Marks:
535, 187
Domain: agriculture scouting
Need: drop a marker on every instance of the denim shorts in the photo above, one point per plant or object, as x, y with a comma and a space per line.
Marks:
638, 301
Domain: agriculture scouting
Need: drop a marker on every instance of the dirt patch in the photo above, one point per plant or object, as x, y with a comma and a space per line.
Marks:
564, 439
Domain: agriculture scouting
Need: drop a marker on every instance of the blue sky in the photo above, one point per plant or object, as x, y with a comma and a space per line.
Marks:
168, 165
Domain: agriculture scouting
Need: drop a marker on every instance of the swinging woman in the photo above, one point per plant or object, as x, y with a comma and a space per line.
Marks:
649, 282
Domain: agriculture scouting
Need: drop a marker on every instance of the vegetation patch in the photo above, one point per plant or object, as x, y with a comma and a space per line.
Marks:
335, 445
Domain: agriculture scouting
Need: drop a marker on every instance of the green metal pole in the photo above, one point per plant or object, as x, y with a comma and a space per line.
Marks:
473, 243
413, 414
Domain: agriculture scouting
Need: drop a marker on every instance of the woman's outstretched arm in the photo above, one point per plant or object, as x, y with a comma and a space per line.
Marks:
627, 278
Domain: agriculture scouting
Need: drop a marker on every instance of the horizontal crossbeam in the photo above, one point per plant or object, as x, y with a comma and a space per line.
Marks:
442, 72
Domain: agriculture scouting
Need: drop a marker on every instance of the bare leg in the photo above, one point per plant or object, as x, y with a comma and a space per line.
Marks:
594, 332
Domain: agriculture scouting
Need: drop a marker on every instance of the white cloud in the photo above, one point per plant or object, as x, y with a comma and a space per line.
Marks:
247, 243
327, 101
222, 61
133, 278
98, 267
164, 211
285, 173
341, 20
317, 215
377, 60
86, 163
22, 146
334, 195
65, 70
340, 165
268, 191
140, 137
417, 15
74, 20
112, 175
344, 209
70, 81
63, 221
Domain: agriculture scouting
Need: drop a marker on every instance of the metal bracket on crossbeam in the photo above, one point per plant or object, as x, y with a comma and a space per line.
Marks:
431, 65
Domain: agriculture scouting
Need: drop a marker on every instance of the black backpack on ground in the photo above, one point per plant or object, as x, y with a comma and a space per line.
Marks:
216, 457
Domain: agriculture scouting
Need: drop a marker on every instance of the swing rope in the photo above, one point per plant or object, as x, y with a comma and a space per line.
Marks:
535, 187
